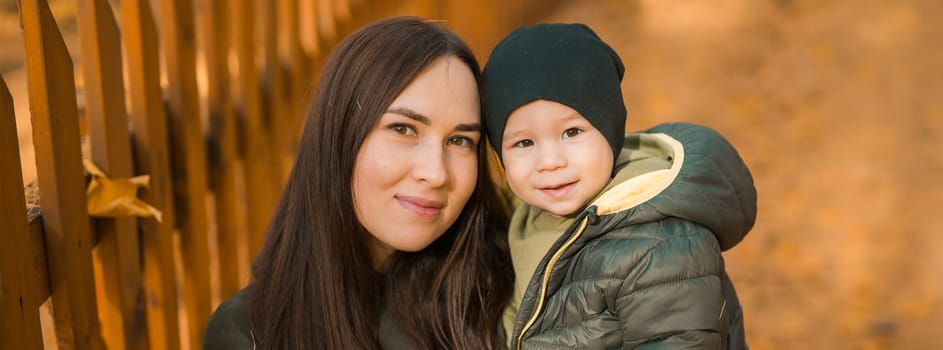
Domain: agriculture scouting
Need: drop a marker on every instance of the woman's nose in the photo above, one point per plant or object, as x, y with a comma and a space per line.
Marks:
429, 166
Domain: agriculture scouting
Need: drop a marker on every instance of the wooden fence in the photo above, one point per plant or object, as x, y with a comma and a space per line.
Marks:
204, 97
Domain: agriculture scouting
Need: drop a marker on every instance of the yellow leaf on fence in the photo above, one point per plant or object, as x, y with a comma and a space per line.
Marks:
114, 198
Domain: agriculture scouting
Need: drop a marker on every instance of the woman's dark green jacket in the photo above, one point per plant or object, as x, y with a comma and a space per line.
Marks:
229, 328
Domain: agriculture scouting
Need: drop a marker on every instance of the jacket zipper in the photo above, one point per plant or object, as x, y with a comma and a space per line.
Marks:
546, 279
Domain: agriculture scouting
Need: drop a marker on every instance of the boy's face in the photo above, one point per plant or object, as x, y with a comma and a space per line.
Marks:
555, 159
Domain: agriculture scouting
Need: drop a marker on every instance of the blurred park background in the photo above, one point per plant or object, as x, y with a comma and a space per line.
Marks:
836, 108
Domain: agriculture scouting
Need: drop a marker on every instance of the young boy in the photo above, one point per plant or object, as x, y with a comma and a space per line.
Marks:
618, 241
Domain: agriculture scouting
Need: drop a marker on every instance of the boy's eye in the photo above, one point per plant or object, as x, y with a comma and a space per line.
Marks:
462, 141
524, 143
571, 132
404, 129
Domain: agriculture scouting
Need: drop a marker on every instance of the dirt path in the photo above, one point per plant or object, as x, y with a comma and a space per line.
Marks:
835, 107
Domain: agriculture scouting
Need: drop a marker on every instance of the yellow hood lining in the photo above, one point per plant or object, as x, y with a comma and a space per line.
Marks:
642, 188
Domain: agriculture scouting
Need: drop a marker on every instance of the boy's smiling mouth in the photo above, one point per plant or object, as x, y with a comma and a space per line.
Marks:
557, 191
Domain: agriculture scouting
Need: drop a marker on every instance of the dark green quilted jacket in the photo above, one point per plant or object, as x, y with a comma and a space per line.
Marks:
641, 266
228, 328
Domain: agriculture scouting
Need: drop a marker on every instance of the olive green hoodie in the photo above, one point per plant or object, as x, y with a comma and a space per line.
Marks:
641, 264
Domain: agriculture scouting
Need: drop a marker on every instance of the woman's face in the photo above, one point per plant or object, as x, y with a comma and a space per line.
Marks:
418, 165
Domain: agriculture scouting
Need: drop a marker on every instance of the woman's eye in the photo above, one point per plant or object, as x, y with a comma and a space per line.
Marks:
462, 141
403, 129
571, 132
524, 143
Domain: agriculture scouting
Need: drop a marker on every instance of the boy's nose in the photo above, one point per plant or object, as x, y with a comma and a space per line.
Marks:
550, 158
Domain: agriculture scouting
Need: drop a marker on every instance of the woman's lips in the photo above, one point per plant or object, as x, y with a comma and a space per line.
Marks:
558, 190
420, 206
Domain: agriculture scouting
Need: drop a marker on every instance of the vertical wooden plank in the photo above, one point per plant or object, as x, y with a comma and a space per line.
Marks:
327, 24
254, 133
188, 171
293, 18
362, 12
380, 9
38, 270
223, 151
477, 24
289, 56
152, 155
69, 239
117, 255
20, 295
424, 8
277, 96
342, 20
305, 18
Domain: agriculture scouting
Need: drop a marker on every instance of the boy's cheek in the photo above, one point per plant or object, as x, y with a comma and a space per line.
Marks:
514, 182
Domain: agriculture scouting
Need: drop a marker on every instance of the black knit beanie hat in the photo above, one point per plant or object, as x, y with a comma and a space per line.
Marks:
565, 63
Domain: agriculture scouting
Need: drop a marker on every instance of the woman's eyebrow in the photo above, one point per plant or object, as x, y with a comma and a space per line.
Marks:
468, 127
411, 114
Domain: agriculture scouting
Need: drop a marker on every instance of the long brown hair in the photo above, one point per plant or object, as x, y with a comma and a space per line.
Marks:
314, 284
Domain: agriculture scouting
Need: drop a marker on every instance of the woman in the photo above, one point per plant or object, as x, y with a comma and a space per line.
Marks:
389, 233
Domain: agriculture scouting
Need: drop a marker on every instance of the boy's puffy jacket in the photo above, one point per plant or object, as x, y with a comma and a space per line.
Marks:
641, 267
